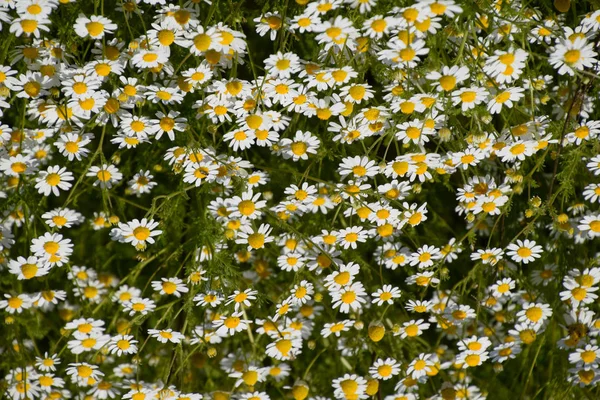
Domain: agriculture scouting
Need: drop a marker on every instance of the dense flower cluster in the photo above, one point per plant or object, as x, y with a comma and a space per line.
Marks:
323, 199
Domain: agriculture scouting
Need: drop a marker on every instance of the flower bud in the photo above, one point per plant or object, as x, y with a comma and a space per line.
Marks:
372, 387
376, 331
448, 391
220, 396
212, 352
300, 390
562, 5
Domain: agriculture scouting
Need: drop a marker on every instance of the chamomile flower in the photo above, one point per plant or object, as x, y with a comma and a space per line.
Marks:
589, 356
412, 328
136, 232
230, 325
241, 299
577, 294
139, 305
350, 387
587, 130
166, 335
350, 297
72, 145
534, 313
106, 176
503, 287
53, 179
48, 363
286, 348
420, 366
358, 168
52, 249
384, 369
350, 237
504, 98
385, 295
95, 26
524, 251
84, 374
170, 286
448, 78
570, 56
27, 268
300, 146
281, 65
15, 303
414, 131
17, 165
151, 58
269, 23
470, 97
425, 256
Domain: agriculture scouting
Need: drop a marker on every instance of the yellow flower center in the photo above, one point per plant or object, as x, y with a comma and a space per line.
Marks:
202, 42
29, 25
524, 252
284, 346
169, 287
348, 297
379, 25
80, 87
468, 96
141, 233
447, 82
411, 330
232, 322
103, 175
166, 334
413, 132
84, 371
572, 56
473, 360
256, 240
384, 370
588, 356
349, 387
51, 247
29, 270
32, 88
15, 302
53, 179
299, 148
94, 28
579, 293
534, 314
166, 37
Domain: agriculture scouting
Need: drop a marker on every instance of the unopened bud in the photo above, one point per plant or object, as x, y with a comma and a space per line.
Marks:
376, 331
211, 352
300, 390
372, 387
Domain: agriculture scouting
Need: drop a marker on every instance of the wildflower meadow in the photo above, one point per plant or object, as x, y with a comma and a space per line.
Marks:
299, 199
